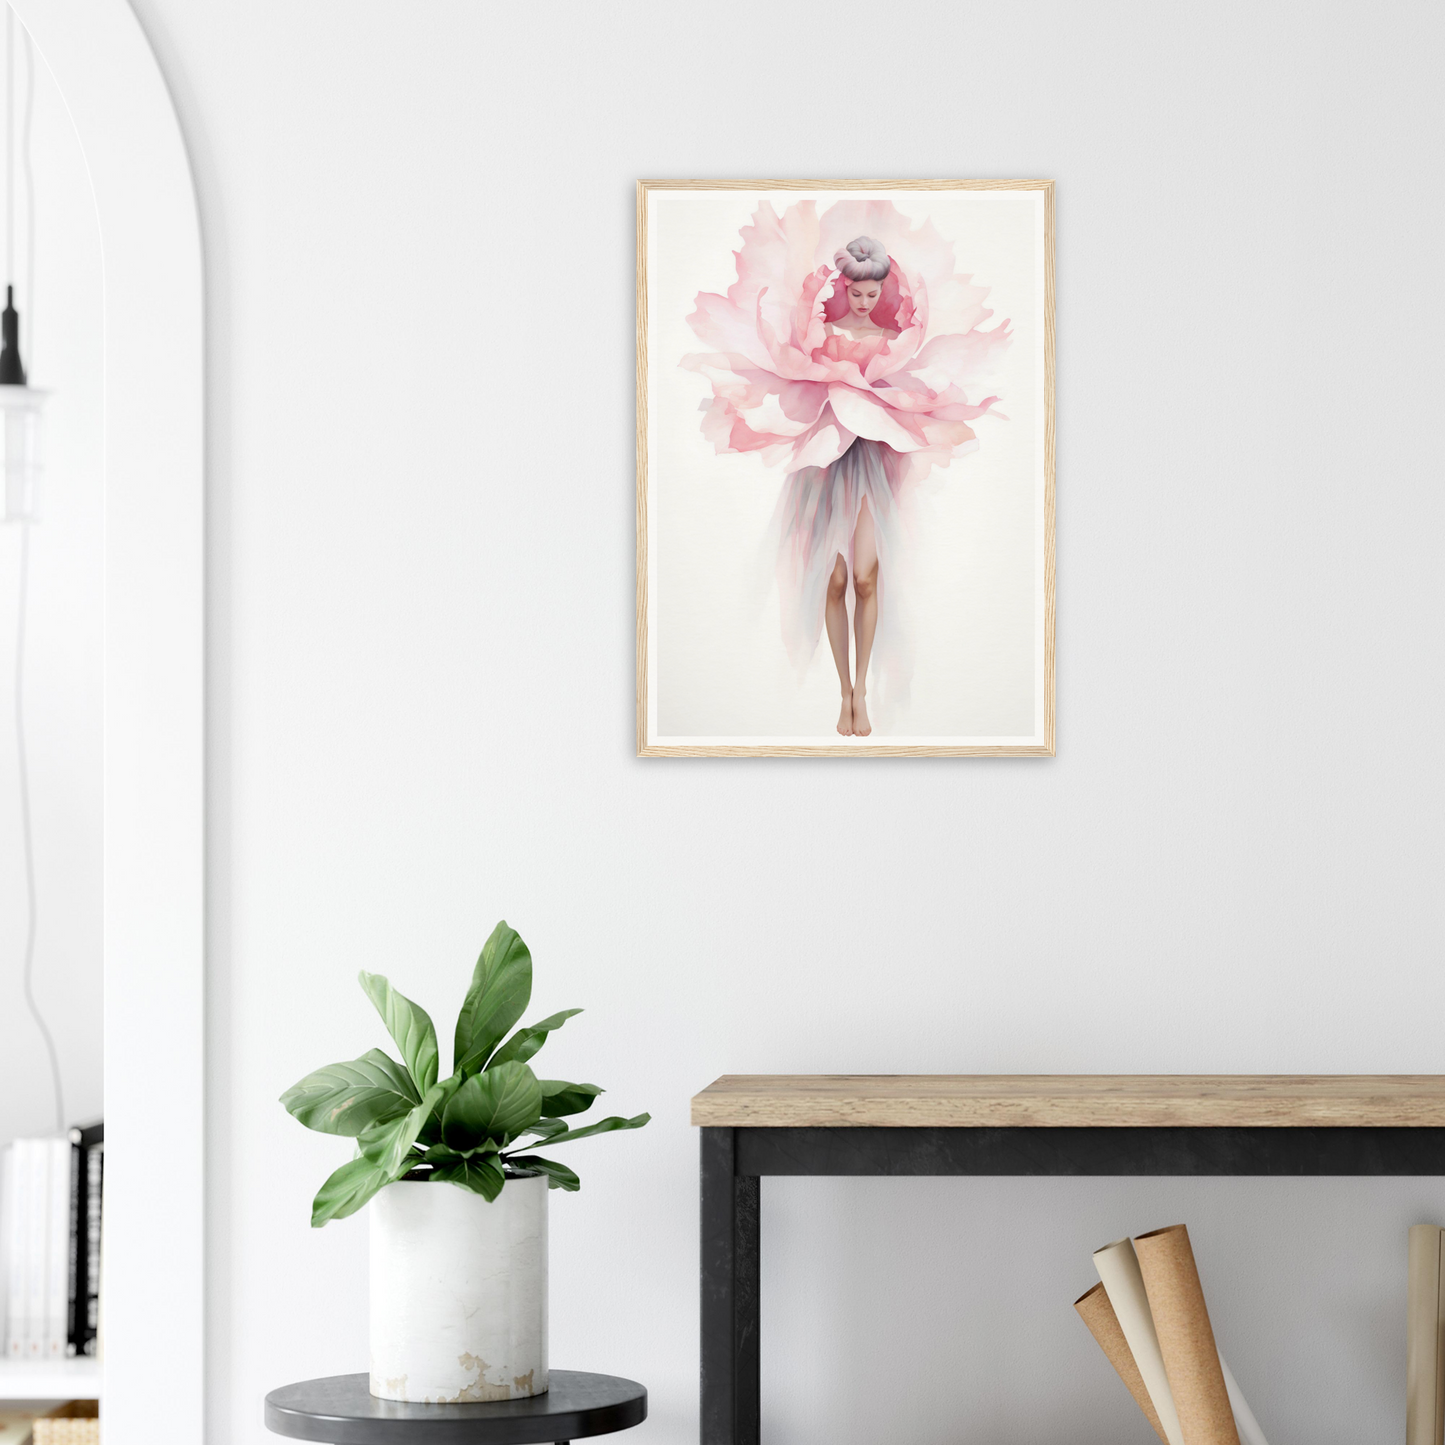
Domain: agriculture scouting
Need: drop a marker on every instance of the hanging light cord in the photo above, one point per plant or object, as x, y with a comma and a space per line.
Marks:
22, 757
9, 144
26, 344
26, 834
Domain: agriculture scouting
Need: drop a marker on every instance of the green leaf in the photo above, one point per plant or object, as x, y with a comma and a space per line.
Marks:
389, 1146
560, 1097
525, 1042
352, 1098
409, 1024
431, 1130
497, 1104
501, 989
603, 1126
440, 1154
559, 1176
346, 1191
546, 1129
482, 1175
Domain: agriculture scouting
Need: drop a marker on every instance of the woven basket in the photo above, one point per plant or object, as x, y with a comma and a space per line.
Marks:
66, 1432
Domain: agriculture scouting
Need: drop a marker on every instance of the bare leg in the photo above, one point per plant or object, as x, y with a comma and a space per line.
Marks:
836, 615
865, 612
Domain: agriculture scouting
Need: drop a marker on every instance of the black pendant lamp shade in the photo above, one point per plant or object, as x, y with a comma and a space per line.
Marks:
20, 404
12, 369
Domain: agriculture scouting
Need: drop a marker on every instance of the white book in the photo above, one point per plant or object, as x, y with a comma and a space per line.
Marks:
37, 1212
57, 1249
18, 1234
17, 1313
7, 1228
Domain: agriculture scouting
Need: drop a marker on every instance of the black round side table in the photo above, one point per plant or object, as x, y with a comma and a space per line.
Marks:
341, 1410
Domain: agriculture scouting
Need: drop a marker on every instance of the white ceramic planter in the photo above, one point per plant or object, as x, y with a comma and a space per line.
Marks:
459, 1292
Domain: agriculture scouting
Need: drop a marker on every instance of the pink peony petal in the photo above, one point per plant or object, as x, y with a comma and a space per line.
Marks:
825, 443
786, 388
860, 413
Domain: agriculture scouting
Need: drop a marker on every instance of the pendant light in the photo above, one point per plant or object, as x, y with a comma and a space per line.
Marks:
20, 403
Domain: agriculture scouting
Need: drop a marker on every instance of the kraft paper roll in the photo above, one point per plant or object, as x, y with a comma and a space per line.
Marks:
1186, 1338
1096, 1311
1424, 1339
1119, 1270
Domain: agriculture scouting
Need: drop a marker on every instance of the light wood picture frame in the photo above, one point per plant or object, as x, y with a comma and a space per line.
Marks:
845, 454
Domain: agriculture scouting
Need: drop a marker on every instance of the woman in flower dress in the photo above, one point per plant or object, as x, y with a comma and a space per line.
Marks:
830, 371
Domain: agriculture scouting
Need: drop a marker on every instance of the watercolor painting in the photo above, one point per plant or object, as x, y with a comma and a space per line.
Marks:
845, 487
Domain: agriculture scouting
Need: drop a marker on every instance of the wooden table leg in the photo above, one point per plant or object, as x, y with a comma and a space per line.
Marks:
730, 1295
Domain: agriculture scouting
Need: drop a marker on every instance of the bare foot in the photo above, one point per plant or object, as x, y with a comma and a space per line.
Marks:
845, 718
861, 726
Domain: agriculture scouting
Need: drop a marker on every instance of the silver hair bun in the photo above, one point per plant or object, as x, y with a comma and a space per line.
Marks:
863, 259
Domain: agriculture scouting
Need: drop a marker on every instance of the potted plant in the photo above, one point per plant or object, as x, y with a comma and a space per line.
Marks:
458, 1275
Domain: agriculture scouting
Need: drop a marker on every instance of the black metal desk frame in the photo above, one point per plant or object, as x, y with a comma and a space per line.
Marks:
735, 1160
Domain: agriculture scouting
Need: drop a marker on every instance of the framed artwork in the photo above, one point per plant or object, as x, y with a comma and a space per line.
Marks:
845, 468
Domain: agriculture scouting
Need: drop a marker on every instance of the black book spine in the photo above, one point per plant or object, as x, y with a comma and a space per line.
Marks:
76, 1309
95, 1171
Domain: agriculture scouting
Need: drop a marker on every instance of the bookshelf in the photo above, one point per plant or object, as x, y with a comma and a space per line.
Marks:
50, 1379
754, 1126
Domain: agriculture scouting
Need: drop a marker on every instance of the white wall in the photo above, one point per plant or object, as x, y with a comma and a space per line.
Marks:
419, 238
61, 341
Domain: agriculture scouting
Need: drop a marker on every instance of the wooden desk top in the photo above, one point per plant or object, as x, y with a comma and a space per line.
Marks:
1072, 1100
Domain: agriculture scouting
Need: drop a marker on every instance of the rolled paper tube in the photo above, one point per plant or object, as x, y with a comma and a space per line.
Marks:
1423, 1338
1186, 1338
1119, 1270
1096, 1311
1244, 1421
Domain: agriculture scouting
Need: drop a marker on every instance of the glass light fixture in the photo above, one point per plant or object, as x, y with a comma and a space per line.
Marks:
20, 403
20, 406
